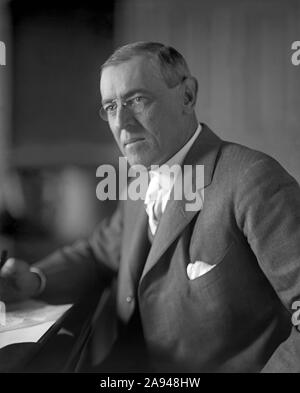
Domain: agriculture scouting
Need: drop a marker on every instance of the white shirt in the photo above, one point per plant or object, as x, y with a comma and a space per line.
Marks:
161, 183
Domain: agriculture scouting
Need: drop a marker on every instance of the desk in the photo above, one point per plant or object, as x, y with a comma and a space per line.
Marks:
27, 325
81, 338
28, 321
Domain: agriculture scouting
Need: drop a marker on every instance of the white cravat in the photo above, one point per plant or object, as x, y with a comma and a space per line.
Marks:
160, 186
153, 201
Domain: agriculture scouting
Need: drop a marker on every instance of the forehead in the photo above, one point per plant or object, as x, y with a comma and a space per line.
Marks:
135, 74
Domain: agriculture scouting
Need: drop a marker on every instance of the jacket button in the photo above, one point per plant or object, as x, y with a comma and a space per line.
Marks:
129, 299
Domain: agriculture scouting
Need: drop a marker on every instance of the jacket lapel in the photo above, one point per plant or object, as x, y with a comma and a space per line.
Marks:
135, 250
176, 217
137, 247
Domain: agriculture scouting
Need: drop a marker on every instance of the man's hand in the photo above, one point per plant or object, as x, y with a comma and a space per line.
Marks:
17, 282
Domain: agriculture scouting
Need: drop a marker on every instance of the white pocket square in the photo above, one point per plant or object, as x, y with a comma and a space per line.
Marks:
197, 269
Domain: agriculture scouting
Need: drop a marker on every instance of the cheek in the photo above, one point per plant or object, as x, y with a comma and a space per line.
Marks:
115, 134
154, 123
114, 129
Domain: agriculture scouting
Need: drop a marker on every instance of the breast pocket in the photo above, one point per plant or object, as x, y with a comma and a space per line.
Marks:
211, 270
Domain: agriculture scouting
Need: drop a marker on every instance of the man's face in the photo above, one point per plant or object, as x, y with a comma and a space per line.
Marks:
154, 135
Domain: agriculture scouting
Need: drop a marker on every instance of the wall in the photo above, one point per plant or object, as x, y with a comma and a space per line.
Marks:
58, 49
53, 139
5, 74
240, 52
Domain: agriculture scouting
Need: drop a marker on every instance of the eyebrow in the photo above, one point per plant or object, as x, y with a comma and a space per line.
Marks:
128, 94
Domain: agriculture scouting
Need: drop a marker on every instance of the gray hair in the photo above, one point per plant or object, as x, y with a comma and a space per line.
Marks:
172, 64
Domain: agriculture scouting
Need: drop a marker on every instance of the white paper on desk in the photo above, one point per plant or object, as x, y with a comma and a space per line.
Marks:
29, 320
27, 334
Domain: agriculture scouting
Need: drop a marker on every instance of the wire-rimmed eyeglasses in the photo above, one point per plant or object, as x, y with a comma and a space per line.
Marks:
109, 111
136, 105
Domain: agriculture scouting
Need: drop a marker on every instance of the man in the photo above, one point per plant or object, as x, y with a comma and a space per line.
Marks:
212, 288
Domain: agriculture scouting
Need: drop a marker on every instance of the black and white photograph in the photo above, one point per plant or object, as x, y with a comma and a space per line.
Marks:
149, 189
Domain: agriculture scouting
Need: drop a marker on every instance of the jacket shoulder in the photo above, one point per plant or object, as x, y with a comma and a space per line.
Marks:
241, 160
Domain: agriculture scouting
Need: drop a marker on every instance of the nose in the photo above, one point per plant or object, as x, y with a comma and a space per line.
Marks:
123, 117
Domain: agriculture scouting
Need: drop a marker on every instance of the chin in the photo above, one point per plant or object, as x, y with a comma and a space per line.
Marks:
139, 161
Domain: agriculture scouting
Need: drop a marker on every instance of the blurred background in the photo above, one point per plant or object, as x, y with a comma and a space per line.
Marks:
51, 137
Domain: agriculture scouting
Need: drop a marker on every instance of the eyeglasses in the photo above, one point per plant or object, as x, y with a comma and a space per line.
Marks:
136, 105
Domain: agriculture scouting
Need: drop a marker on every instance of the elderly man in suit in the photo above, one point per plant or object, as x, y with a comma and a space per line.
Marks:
209, 289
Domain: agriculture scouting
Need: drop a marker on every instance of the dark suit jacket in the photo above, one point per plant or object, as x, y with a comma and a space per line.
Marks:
236, 317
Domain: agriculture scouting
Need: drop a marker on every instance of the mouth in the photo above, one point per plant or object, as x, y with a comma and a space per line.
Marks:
130, 142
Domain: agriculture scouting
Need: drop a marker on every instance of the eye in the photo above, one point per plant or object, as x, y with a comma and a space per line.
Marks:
110, 108
138, 99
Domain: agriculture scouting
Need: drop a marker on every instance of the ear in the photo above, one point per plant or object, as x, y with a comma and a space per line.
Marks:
190, 90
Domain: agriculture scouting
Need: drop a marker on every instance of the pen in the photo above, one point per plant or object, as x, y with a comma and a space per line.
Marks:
3, 258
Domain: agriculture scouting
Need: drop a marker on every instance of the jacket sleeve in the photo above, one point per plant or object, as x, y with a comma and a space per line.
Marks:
87, 264
268, 213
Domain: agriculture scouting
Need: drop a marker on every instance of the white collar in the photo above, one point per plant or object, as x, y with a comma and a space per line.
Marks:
177, 159
162, 180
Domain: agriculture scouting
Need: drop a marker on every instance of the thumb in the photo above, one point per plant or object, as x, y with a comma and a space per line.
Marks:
10, 267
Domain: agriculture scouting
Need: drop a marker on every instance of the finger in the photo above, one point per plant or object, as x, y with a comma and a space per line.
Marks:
9, 268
